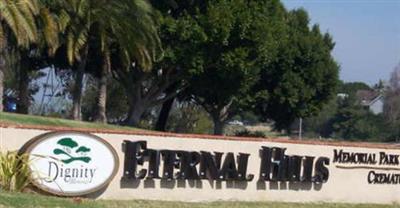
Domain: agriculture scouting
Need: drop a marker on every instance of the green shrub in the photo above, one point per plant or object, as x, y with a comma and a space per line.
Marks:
14, 171
248, 133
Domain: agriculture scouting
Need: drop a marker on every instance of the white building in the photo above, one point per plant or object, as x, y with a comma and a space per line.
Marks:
371, 99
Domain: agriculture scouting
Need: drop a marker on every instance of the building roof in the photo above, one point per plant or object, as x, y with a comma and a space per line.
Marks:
368, 97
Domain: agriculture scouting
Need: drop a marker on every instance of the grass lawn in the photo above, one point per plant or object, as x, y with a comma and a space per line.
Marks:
18, 119
38, 201
22, 119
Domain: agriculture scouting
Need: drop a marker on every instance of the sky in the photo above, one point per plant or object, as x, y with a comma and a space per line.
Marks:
366, 32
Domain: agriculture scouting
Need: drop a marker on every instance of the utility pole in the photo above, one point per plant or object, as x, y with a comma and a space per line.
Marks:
300, 128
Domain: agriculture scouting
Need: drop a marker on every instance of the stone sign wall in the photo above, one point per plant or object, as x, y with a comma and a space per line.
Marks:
207, 168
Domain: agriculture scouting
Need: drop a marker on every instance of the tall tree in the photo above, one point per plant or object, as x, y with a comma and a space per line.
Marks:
74, 22
17, 22
355, 122
35, 56
101, 28
239, 40
144, 90
132, 29
301, 78
175, 34
148, 88
200, 36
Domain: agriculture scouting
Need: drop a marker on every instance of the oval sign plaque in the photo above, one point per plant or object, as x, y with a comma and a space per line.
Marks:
71, 163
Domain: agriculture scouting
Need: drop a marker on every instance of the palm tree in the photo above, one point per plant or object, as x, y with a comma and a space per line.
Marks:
34, 56
125, 26
132, 30
17, 22
74, 21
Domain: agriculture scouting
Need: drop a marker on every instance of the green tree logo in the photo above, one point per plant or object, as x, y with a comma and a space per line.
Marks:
68, 145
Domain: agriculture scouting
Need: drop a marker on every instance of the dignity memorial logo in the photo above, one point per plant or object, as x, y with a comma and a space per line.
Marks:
71, 163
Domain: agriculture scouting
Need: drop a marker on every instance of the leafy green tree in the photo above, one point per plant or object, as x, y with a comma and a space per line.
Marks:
233, 39
17, 22
147, 88
322, 124
179, 35
354, 122
351, 88
179, 58
144, 90
345, 118
301, 78
187, 117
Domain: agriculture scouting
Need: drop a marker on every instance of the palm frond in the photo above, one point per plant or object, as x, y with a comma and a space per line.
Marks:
50, 30
8, 17
19, 17
79, 42
63, 20
27, 25
70, 47
31, 5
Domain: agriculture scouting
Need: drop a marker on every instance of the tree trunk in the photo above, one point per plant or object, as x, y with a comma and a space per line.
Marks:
164, 114
23, 90
162, 119
77, 91
218, 125
2, 69
77, 95
135, 114
220, 115
101, 116
137, 106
